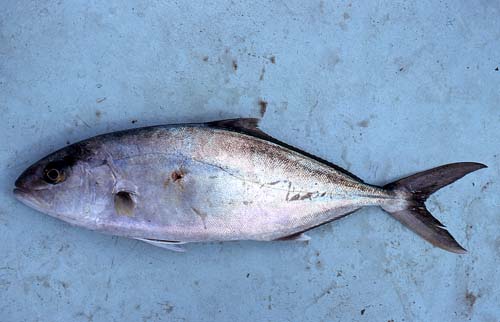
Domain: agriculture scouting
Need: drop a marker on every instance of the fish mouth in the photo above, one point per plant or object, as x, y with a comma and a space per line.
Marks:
28, 198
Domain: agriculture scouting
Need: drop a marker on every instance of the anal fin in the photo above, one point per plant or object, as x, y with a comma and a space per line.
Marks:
295, 237
170, 245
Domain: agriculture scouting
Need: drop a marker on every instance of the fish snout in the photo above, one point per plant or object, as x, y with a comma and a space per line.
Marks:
28, 188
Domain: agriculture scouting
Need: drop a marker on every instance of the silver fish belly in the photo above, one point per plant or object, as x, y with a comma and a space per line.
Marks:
218, 181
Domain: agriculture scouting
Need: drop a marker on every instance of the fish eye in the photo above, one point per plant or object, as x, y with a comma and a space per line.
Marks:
54, 173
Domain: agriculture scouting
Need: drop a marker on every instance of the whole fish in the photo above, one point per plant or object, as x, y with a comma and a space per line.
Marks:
218, 181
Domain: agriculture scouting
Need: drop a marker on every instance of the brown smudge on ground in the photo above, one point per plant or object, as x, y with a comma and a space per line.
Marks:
363, 311
100, 100
295, 197
167, 307
263, 107
98, 114
364, 123
470, 298
486, 186
235, 65
347, 16
166, 182
205, 58
202, 215
272, 59
262, 72
177, 175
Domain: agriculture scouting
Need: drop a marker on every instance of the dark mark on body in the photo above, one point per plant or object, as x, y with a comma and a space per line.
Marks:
307, 196
177, 175
235, 65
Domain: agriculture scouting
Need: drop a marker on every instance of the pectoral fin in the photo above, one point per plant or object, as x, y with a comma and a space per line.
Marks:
296, 237
170, 245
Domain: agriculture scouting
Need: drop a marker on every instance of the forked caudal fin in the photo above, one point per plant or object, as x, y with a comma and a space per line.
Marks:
414, 191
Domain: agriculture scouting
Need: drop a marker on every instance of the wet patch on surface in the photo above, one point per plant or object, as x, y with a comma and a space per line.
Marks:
364, 123
262, 72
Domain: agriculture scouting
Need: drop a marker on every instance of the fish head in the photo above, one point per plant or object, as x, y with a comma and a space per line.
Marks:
71, 184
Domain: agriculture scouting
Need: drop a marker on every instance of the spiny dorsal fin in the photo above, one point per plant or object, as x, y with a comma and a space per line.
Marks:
248, 126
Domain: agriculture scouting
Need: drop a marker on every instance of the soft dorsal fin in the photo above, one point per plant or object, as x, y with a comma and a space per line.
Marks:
250, 126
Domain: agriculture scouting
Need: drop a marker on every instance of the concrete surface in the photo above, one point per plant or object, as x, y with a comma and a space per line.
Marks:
382, 88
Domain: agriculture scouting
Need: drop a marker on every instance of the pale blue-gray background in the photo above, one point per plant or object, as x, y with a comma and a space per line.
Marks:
383, 89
